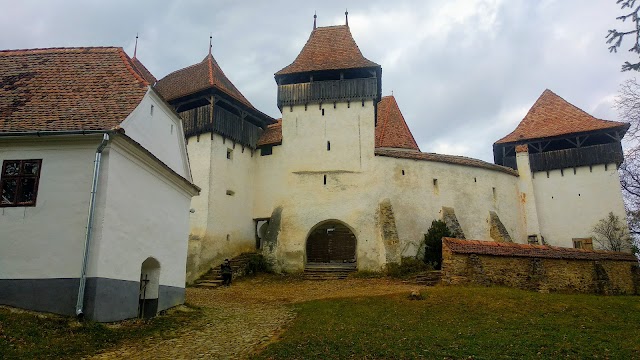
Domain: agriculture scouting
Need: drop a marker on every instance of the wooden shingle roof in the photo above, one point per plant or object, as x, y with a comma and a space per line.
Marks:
536, 251
328, 48
552, 116
90, 88
206, 74
391, 129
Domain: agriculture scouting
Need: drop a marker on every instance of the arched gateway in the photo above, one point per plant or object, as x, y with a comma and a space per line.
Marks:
331, 242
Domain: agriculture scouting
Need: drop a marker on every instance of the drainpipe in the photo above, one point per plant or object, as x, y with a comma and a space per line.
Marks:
87, 239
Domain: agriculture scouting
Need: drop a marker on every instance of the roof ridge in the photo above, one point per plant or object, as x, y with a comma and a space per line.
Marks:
184, 68
56, 49
210, 65
130, 66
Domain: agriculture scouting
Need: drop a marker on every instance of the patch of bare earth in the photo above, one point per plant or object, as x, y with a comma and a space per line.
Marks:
238, 320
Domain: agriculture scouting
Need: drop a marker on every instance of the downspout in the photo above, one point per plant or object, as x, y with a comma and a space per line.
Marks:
89, 233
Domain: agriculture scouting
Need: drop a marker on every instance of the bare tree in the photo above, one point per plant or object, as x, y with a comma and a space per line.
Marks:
628, 106
615, 37
612, 234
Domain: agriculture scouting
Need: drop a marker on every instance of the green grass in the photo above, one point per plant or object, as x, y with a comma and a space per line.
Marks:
464, 323
29, 336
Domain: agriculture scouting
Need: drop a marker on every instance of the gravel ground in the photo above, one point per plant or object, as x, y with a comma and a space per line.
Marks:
239, 320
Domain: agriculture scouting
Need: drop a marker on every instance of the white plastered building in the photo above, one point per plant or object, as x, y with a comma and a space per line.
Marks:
96, 186
340, 179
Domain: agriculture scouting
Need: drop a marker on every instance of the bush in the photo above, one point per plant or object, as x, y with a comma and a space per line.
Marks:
408, 266
433, 243
258, 264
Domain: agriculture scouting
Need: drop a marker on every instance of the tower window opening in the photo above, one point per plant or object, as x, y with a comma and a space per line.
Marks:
328, 145
322, 112
229, 154
325, 179
403, 172
495, 196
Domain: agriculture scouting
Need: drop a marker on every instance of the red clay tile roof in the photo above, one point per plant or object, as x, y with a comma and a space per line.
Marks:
272, 134
92, 88
142, 70
449, 159
391, 129
204, 75
328, 48
536, 251
551, 116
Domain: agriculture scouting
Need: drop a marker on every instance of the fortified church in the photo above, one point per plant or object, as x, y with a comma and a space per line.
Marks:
340, 178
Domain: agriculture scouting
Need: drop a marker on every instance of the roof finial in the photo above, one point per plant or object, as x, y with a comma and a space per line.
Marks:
346, 17
210, 43
315, 16
135, 49
391, 92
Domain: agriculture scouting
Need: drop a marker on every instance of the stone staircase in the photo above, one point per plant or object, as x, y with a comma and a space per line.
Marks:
427, 278
213, 277
328, 271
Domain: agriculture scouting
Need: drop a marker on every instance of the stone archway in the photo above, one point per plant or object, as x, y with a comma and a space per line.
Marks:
149, 288
331, 242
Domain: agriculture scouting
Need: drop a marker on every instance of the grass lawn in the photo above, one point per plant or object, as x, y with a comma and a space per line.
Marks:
464, 323
28, 336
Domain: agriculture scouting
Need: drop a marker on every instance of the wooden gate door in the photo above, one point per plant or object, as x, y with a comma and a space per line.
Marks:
331, 242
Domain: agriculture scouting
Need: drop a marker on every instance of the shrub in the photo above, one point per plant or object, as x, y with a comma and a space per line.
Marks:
258, 264
408, 266
433, 243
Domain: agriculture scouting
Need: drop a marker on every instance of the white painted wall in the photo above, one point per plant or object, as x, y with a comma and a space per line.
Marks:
222, 225
159, 131
46, 241
142, 213
569, 204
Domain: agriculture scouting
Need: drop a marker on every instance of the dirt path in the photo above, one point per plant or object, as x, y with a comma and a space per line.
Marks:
246, 316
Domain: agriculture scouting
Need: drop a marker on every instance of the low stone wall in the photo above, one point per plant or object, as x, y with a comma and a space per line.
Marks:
540, 268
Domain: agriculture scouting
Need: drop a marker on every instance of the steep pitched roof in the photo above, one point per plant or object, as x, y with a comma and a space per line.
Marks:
551, 116
272, 135
328, 48
448, 159
142, 70
527, 250
91, 88
391, 129
206, 74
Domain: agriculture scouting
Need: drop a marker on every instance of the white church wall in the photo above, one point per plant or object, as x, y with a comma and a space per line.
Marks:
417, 201
46, 240
569, 204
142, 214
226, 208
158, 129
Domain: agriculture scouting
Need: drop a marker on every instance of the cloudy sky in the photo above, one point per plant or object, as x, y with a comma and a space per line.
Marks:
464, 72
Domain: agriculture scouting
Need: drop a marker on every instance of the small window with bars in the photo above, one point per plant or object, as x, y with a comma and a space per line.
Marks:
19, 182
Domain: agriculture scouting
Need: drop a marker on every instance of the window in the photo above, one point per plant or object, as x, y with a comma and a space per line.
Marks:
328, 145
583, 243
19, 182
229, 154
266, 150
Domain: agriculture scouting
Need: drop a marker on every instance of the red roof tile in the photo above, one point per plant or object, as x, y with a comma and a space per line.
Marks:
142, 70
328, 48
551, 116
537, 251
272, 135
92, 88
449, 159
391, 129
206, 74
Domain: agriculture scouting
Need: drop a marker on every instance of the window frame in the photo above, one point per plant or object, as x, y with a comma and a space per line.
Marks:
19, 177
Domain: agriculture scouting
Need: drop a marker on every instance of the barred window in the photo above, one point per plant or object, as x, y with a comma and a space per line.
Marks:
19, 182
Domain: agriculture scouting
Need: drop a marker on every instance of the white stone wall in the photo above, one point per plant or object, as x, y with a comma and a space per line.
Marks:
141, 214
46, 241
569, 204
222, 224
158, 129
